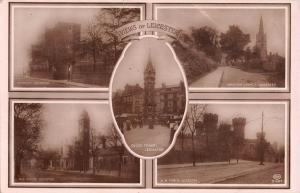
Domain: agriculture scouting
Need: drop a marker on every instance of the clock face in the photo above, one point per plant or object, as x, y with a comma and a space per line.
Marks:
148, 96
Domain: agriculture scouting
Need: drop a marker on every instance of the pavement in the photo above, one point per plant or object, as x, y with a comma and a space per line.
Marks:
43, 82
227, 76
66, 176
148, 142
210, 80
217, 172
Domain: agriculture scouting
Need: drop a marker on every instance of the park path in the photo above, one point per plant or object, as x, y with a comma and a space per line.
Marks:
43, 82
227, 76
210, 80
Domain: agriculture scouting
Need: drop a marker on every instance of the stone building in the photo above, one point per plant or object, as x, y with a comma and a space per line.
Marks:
149, 90
261, 41
55, 54
64, 53
270, 62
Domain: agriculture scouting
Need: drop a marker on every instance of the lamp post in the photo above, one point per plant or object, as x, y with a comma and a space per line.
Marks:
262, 148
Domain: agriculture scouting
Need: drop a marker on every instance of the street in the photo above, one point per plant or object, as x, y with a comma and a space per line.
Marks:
227, 76
210, 80
32, 82
246, 172
65, 176
148, 142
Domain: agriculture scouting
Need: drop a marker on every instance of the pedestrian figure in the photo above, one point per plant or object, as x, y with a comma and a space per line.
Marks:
172, 131
128, 125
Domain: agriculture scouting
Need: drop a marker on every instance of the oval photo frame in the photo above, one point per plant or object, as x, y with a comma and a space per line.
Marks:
185, 105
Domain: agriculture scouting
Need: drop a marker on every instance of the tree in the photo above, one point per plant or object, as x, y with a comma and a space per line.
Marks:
94, 40
195, 113
114, 140
111, 19
207, 40
94, 146
233, 42
27, 131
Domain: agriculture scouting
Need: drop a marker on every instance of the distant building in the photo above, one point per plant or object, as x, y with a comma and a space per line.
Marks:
270, 62
55, 54
261, 41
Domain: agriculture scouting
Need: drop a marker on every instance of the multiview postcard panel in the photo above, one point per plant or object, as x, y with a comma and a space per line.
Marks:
229, 144
232, 47
66, 46
64, 143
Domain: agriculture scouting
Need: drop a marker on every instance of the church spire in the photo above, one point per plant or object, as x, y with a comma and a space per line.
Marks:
261, 26
261, 41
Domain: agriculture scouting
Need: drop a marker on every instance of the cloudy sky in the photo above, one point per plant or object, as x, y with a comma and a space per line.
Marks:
131, 68
62, 121
221, 19
274, 118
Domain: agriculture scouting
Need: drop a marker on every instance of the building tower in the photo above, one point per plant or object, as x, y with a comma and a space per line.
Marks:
261, 41
84, 133
149, 84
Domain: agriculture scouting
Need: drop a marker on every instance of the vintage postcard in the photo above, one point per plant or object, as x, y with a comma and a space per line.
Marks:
222, 53
229, 144
51, 48
57, 143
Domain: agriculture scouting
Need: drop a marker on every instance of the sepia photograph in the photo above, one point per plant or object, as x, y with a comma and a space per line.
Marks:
65, 46
229, 144
55, 143
231, 47
148, 96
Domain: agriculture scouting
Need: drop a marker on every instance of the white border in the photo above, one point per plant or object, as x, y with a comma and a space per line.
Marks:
286, 160
158, 6
95, 5
186, 99
12, 183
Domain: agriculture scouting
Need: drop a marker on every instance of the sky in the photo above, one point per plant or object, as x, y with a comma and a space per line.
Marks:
274, 118
131, 68
62, 121
221, 19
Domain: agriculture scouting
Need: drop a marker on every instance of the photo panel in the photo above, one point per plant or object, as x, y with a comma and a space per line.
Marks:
66, 46
68, 143
229, 144
148, 97
221, 53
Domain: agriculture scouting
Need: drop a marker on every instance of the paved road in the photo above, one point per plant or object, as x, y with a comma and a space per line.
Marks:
216, 173
226, 76
32, 82
69, 176
148, 142
211, 80
259, 177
